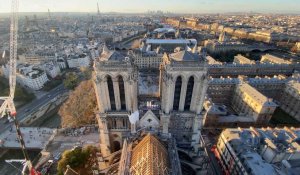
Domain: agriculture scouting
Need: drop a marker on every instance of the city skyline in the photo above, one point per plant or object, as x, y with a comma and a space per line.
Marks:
167, 87
174, 6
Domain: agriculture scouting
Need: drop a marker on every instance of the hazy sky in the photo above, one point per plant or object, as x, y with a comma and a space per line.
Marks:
181, 6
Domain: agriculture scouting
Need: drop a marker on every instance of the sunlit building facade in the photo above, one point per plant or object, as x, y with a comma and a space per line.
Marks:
290, 99
259, 151
249, 102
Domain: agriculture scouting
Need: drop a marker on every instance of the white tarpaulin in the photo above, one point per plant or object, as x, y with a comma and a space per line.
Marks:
134, 117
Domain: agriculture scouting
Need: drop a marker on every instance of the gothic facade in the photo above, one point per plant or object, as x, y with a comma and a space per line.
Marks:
176, 110
183, 88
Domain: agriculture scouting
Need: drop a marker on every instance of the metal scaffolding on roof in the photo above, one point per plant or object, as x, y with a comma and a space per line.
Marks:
150, 157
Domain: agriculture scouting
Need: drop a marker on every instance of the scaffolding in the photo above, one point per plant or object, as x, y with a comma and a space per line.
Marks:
150, 157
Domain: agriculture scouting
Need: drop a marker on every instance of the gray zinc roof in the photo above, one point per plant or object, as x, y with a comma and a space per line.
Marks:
184, 56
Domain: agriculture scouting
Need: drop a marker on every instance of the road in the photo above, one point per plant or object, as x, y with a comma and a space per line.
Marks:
213, 161
31, 107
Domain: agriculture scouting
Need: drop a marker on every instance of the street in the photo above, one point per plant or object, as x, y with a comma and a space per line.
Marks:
35, 104
209, 141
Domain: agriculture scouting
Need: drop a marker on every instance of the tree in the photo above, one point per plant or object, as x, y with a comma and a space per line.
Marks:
21, 94
78, 159
87, 72
80, 107
71, 80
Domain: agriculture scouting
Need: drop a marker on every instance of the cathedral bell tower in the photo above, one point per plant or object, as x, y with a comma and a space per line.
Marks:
183, 89
115, 83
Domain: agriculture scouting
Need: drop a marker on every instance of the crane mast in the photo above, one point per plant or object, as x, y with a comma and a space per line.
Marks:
13, 56
8, 107
13, 48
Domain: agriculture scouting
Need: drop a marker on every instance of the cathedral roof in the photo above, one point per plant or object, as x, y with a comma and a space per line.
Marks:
184, 56
149, 157
111, 55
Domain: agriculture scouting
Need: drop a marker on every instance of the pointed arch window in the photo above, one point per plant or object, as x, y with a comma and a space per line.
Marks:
189, 94
177, 91
111, 93
122, 93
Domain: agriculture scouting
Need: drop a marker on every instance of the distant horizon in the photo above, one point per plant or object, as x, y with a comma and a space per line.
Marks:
142, 6
166, 12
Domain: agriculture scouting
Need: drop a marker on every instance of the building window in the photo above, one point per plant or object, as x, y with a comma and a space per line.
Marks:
122, 93
124, 123
177, 93
189, 94
111, 93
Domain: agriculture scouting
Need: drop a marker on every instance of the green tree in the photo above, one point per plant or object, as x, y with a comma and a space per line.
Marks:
4, 88
71, 80
21, 94
76, 159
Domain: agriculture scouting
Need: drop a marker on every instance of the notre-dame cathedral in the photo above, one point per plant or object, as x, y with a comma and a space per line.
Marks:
169, 100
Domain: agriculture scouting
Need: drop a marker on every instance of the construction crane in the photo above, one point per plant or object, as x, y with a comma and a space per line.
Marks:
8, 107
8, 104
